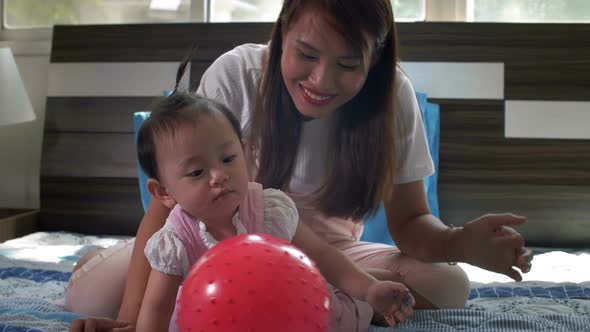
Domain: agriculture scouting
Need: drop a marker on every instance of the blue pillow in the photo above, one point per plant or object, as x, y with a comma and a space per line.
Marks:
431, 118
375, 229
138, 118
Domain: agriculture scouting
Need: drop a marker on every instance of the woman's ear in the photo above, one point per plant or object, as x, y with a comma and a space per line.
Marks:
161, 193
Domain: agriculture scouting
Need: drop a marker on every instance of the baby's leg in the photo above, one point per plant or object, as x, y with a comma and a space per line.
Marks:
98, 281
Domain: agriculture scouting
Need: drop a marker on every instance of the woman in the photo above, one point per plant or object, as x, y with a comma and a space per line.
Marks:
330, 119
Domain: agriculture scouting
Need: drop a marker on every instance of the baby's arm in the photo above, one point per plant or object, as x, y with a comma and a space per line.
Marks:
391, 299
158, 302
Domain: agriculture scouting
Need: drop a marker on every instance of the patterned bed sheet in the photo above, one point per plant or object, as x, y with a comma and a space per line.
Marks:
555, 295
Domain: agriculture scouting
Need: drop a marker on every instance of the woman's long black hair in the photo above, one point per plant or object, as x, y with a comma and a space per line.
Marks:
361, 153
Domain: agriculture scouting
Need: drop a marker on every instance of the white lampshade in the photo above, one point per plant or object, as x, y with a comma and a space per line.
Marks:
15, 106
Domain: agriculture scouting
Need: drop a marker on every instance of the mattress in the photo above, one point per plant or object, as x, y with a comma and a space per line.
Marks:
554, 296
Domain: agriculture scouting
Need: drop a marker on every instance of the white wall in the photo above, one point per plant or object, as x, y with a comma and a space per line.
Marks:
20, 145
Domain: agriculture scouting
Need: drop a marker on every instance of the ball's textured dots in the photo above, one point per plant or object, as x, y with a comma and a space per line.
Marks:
254, 282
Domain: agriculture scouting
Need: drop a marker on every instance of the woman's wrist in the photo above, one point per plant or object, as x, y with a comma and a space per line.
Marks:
455, 245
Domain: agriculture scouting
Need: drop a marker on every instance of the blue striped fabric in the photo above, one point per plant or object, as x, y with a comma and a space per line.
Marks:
34, 274
32, 314
465, 320
558, 292
8, 328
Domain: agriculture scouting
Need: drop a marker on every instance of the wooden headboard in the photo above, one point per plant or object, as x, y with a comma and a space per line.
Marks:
89, 181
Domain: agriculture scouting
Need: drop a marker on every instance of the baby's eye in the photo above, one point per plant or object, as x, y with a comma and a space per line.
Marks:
195, 174
229, 159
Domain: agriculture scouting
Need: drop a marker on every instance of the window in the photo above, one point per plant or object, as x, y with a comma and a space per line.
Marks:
528, 10
25, 14
409, 10
268, 10
245, 10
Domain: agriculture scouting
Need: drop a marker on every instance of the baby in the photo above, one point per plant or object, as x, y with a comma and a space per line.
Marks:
191, 149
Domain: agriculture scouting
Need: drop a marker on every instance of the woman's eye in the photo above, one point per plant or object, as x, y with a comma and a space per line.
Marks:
229, 159
196, 173
348, 67
307, 56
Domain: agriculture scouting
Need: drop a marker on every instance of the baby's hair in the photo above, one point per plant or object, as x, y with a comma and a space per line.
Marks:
182, 67
169, 114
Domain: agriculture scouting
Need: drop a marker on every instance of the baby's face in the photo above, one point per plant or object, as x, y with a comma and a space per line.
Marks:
203, 168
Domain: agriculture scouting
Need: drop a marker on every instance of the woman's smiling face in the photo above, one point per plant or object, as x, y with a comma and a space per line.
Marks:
321, 70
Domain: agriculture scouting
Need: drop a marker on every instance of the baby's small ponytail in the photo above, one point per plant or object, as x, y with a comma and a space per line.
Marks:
182, 67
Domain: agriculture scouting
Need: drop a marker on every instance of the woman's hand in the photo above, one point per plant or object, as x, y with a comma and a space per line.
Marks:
100, 325
392, 300
490, 243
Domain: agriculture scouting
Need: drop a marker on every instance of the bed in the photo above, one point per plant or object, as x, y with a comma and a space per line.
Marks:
89, 180
555, 295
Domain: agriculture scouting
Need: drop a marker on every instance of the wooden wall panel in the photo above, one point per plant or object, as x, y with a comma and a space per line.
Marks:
198, 68
89, 168
89, 155
547, 61
90, 205
557, 215
473, 149
564, 79
93, 114
152, 42
542, 61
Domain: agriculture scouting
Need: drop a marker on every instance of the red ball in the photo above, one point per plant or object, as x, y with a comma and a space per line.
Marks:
254, 282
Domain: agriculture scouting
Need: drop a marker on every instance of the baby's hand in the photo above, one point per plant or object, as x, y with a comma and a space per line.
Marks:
392, 300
